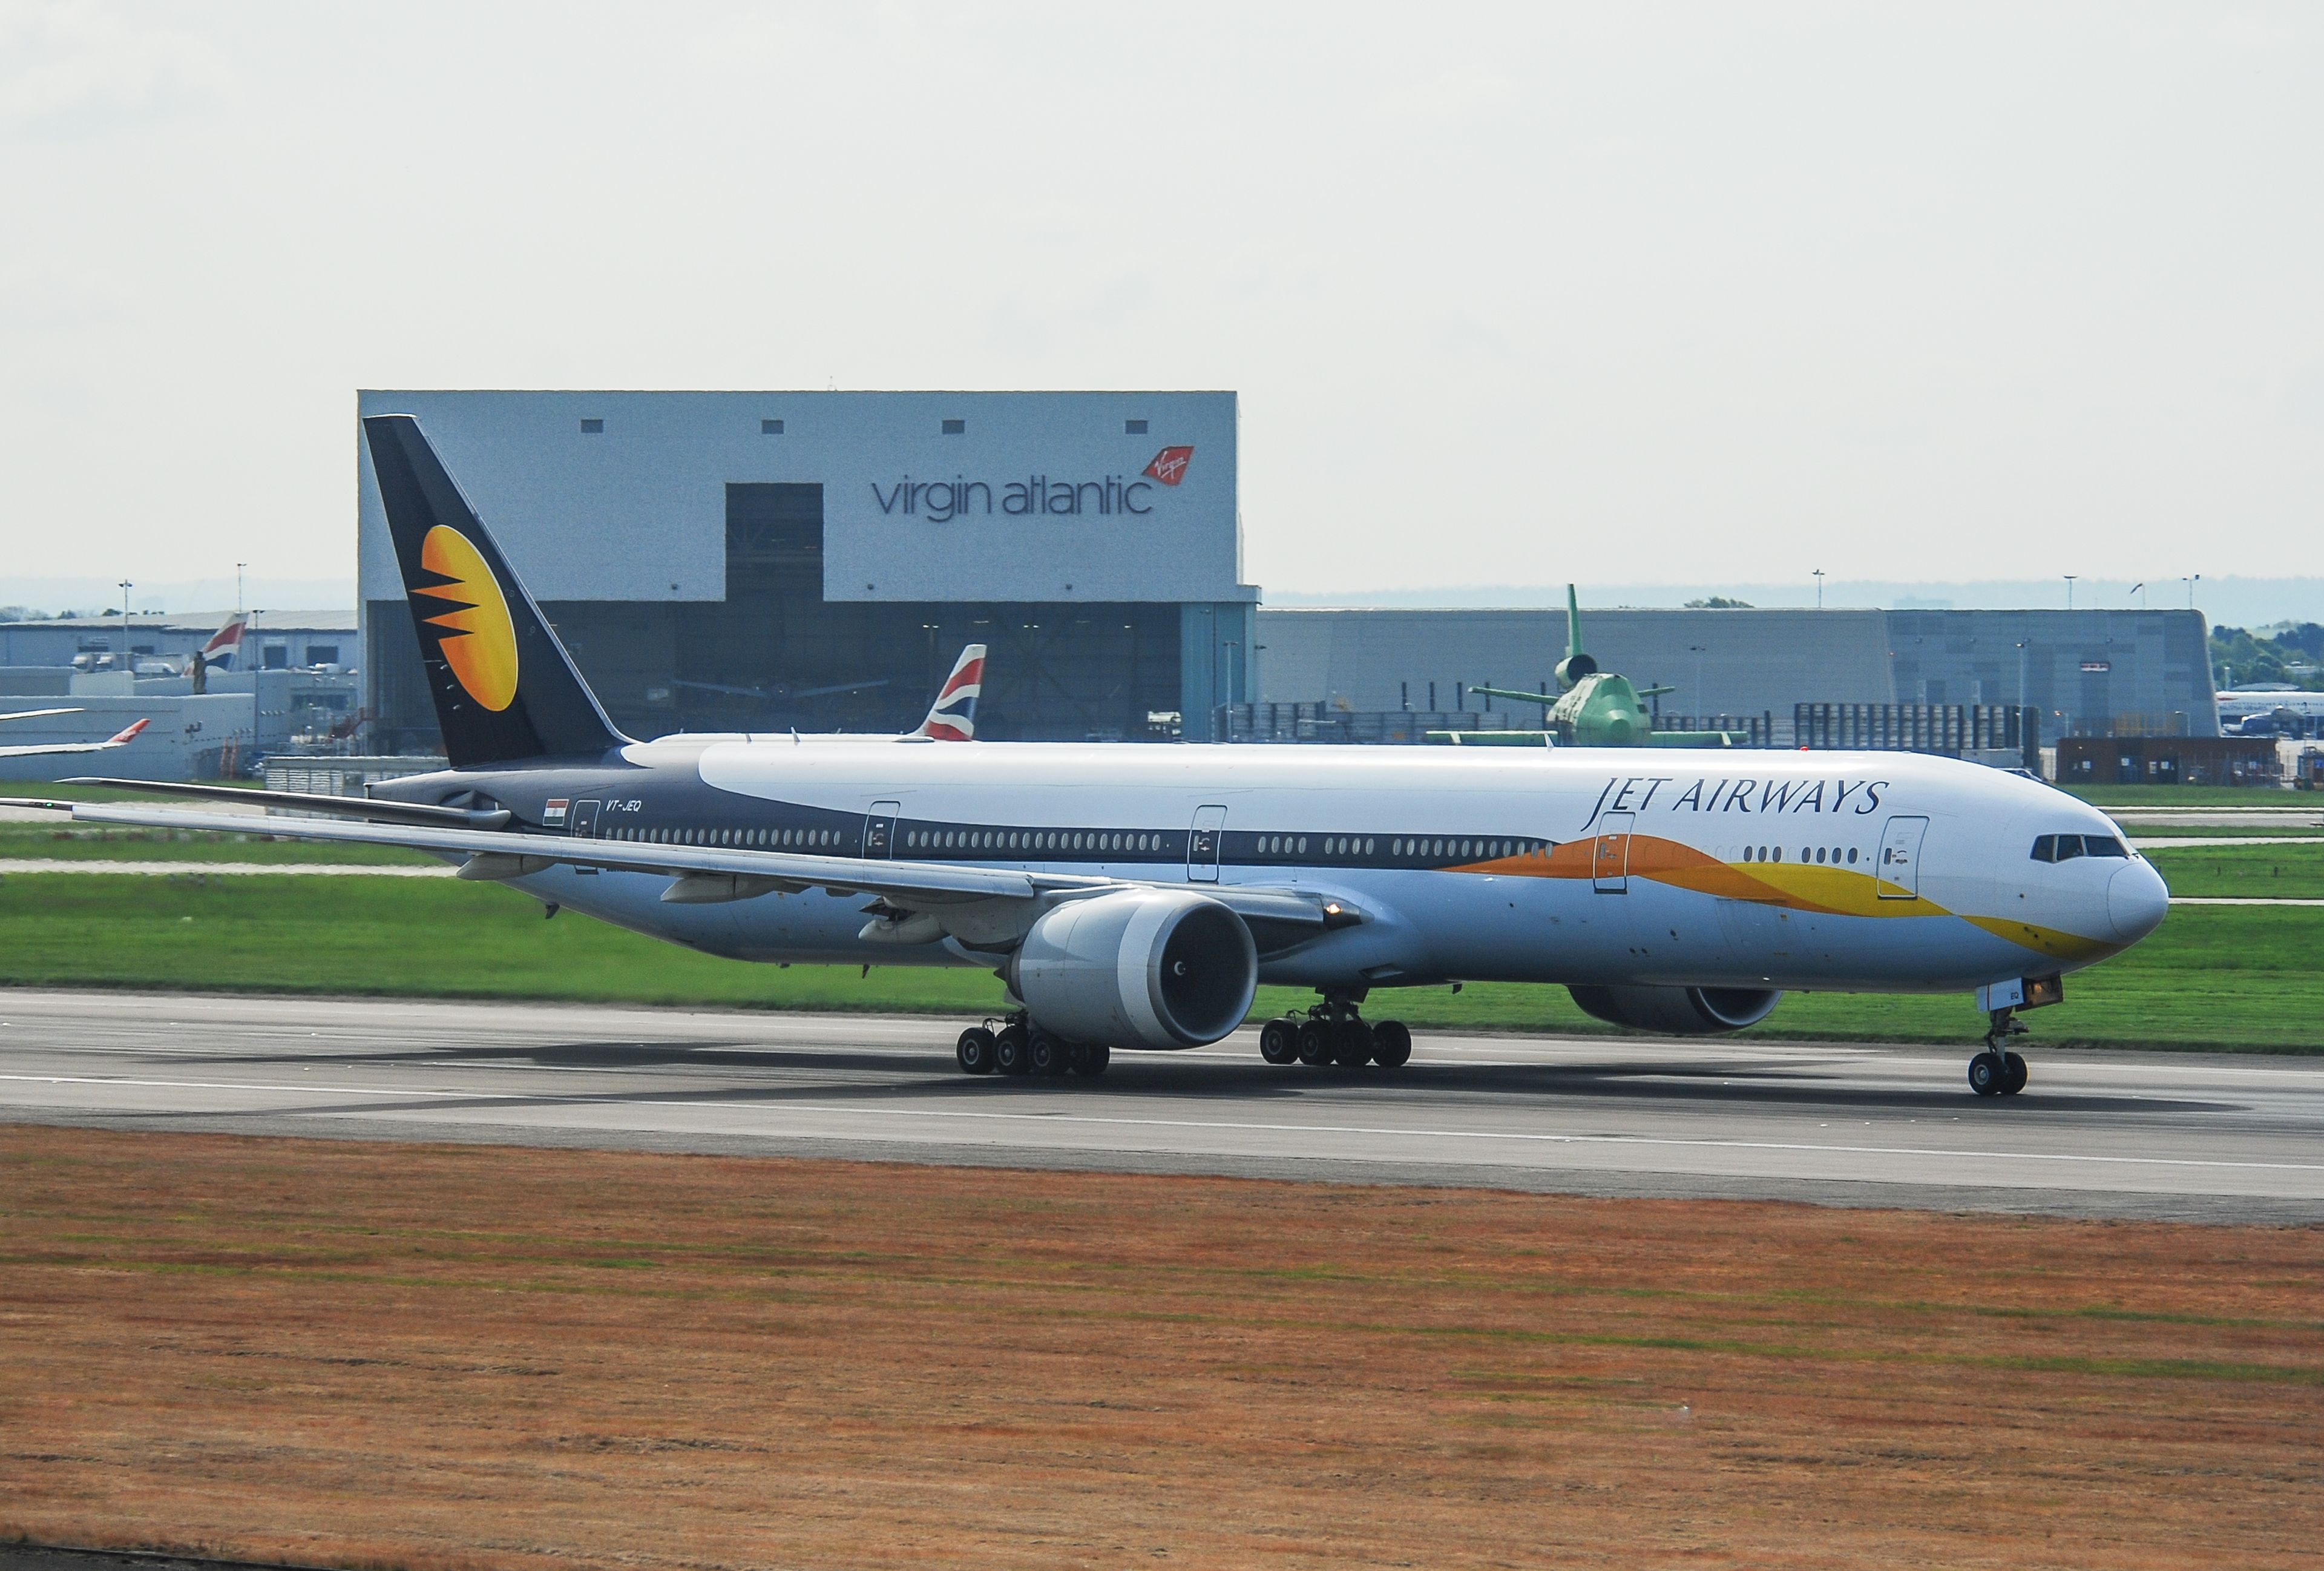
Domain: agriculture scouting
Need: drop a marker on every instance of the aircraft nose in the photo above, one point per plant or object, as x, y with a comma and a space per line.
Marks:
2138, 900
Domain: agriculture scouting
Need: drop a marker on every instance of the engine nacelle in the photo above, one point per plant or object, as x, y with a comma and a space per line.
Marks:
1679, 1012
1144, 969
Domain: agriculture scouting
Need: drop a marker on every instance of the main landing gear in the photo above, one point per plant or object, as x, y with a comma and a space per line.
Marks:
1333, 1033
1995, 1071
1016, 1046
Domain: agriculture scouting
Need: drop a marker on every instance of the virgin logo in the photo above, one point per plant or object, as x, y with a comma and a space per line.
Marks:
1169, 465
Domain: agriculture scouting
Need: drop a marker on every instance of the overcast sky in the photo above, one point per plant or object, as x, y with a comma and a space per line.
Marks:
1643, 294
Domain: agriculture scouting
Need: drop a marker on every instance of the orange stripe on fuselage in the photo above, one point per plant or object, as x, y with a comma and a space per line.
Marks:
1794, 886
1797, 886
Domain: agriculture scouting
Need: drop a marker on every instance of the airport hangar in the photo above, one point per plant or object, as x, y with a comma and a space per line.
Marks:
725, 561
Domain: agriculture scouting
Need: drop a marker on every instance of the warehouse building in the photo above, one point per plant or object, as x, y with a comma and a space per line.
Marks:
723, 561
2089, 673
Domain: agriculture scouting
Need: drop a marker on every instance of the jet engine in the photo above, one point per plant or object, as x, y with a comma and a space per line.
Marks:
1145, 968
1679, 1012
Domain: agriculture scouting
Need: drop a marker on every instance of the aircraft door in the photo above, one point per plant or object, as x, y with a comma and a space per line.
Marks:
583, 822
1610, 858
880, 831
1204, 843
1900, 858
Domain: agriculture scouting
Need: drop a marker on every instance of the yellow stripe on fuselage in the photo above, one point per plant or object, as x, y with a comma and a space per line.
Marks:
1797, 887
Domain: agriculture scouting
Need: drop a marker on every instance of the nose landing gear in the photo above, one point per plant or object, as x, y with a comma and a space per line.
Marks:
1996, 1072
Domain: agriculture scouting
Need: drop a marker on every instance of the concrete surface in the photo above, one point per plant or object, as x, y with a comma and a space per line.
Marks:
2212, 1138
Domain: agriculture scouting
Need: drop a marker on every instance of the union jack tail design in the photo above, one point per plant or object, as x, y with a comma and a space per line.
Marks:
219, 653
952, 717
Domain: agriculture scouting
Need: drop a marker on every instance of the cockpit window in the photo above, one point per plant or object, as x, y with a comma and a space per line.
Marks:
2066, 848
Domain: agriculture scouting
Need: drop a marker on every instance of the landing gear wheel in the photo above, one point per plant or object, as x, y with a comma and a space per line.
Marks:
1351, 1045
2016, 1081
1315, 1043
975, 1051
1045, 1055
1090, 1058
1391, 1044
1278, 1042
1012, 1050
1989, 1072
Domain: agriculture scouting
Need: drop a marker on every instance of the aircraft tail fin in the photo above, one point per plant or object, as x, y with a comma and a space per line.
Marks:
505, 690
224, 651
952, 717
1576, 665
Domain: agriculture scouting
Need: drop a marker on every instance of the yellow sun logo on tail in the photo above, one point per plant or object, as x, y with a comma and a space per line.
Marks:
479, 640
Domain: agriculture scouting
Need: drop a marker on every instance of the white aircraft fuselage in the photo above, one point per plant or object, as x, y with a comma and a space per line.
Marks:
1880, 871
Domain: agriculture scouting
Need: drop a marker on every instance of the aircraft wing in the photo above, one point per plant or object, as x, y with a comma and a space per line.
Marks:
709, 872
36, 714
119, 739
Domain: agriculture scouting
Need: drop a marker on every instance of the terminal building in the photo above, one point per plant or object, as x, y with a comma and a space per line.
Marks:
764, 561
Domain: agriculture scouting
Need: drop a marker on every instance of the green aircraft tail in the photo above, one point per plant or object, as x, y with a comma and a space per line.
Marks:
1576, 665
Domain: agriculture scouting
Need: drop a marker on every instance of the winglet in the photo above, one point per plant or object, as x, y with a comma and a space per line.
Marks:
127, 734
952, 717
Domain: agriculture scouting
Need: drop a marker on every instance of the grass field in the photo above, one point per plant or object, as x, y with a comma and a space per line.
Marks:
2164, 796
82, 843
2141, 832
497, 1359
2212, 977
2244, 871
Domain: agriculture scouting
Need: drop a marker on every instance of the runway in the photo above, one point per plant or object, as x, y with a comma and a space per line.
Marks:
2167, 1135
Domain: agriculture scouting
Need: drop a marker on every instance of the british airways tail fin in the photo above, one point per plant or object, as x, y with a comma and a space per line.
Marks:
952, 717
506, 691
223, 652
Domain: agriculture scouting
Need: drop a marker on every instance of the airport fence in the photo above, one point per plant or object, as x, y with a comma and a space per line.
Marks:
1953, 730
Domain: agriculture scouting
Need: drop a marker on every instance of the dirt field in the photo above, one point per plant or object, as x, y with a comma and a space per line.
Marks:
456, 1357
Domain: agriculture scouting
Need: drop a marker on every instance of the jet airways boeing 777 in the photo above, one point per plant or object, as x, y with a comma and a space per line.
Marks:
1135, 897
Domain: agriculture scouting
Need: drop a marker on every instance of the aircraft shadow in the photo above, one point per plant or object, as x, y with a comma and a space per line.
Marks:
867, 1077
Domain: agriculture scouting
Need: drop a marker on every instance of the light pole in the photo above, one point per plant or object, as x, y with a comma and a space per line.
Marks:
1818, 579
2191, 584
2069, 589
1696, 650
237, 585
128, 661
